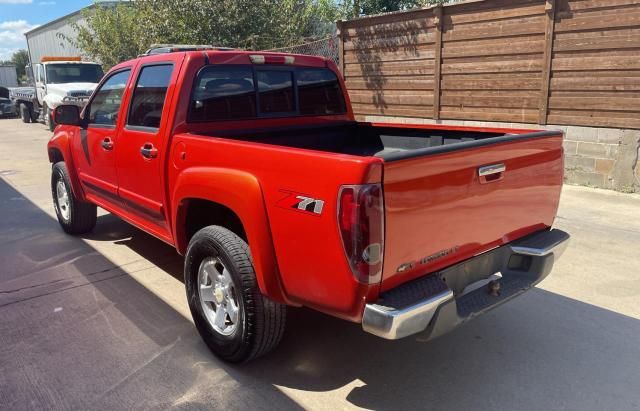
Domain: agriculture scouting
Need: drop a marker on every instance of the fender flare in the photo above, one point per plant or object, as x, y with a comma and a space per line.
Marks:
61, 142
241, 193
52, 100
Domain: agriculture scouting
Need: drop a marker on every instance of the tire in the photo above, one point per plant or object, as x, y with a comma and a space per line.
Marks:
25, 113
75, 216
48, 119
260, 322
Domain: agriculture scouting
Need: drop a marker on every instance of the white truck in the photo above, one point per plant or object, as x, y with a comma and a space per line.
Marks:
55, 81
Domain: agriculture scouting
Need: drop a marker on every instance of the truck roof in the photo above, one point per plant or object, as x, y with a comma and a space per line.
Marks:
235, 56
67, 62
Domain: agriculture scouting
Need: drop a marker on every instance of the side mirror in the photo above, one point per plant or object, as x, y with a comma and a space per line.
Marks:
67, 114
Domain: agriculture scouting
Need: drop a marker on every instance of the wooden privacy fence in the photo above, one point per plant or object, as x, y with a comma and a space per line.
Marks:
566, 62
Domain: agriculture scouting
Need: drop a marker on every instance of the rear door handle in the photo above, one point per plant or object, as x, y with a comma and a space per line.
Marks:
148, 151
491, 173
107, 144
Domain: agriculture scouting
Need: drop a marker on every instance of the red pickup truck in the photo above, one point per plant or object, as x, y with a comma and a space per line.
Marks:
252, 165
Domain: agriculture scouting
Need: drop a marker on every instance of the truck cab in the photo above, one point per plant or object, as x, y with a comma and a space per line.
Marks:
56, 80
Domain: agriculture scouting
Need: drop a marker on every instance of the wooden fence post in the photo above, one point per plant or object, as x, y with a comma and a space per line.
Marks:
437, 11
550, 8
339, 35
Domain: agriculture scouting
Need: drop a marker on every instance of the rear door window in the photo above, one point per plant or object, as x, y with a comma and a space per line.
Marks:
275, 91
149, 96
223, 93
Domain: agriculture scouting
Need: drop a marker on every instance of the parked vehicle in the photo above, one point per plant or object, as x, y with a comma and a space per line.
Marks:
55, 81
7, 108
252, 166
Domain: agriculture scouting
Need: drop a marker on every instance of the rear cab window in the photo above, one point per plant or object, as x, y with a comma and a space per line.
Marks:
223, 93
319, 92
147, 103
234, 92
275, 91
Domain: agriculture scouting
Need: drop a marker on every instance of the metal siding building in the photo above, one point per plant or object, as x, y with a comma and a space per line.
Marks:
52, 39
8, 76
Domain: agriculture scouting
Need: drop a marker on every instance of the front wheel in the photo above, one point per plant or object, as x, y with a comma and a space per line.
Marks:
48, 118
75, 216
235, 320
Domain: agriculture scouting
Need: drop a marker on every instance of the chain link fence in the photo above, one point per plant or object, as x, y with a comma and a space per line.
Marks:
327, 47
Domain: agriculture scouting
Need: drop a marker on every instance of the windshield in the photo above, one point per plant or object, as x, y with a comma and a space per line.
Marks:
73, 73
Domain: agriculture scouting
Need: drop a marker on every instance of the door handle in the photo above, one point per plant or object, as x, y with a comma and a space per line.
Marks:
149, 151
107, 143
490, 173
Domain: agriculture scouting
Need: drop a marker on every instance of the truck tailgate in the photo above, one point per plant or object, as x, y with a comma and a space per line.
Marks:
439, 210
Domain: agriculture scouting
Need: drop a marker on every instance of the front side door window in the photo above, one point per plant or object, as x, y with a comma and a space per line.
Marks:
105, 106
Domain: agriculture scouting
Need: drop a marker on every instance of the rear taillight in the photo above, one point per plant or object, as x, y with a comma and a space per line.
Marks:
361, 223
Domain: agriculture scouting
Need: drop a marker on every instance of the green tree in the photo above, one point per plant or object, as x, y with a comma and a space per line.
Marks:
112, 34
357, 8
20, 59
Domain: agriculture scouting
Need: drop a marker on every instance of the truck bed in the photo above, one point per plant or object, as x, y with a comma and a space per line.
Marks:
439, 207
363, 139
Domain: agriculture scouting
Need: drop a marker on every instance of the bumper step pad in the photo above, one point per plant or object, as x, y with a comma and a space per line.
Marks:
413, 292
437, 303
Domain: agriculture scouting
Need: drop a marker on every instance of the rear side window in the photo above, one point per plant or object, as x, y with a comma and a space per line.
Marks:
319, 92
223, 93
149, 95
275, 91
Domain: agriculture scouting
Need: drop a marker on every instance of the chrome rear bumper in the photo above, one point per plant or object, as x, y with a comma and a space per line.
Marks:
440, 302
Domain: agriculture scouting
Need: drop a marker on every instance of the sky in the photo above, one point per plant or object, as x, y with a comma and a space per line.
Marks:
19, 16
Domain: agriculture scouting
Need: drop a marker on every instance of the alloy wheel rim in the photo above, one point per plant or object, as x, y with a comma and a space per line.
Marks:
62, 196
218, 296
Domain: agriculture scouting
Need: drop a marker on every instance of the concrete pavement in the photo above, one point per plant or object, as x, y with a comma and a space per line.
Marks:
102, 322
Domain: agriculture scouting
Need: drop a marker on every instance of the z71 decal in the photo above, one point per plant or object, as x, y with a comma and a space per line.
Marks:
300, 202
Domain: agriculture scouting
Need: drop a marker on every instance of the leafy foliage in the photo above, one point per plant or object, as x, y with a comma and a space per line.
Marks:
357, 8
112, 33
116, 33
19, 59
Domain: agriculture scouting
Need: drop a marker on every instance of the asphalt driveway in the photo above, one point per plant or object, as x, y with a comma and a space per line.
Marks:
102, 322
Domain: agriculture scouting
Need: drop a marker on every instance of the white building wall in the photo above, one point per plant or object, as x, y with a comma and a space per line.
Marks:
8, 76
53, 39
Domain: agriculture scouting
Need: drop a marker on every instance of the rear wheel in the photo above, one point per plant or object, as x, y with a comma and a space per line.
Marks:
235, 320
75, 216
